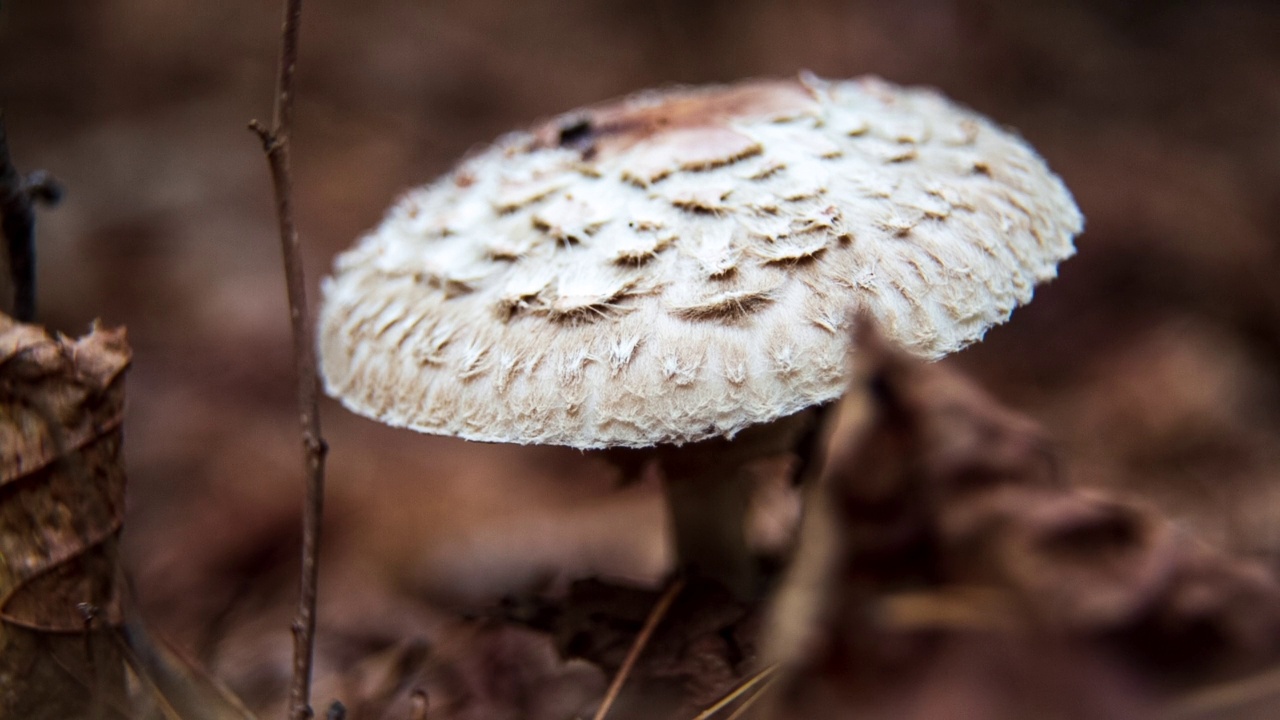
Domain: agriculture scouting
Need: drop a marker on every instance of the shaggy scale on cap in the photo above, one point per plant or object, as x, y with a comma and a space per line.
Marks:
679, 265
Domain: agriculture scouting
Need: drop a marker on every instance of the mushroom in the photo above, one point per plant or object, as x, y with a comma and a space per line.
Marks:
677, 270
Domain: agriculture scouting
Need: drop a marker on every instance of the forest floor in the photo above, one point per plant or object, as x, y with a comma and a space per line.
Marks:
1152, 363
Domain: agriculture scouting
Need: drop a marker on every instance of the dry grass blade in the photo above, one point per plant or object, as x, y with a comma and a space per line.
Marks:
178, 689
650, 624
148, 685
734, 694
751, 701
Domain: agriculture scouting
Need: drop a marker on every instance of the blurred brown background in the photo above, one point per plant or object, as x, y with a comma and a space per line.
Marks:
1152, 360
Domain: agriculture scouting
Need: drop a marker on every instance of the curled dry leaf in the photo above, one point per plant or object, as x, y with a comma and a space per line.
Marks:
944, 563
61, 505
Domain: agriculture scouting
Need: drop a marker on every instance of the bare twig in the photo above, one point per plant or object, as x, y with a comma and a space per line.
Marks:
650, 624
18, 220
275, 143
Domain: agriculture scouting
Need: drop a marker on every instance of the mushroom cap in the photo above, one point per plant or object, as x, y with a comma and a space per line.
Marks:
682, 264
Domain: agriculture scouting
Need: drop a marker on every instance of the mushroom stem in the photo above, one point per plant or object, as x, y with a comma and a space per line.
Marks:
708, 499
709, 487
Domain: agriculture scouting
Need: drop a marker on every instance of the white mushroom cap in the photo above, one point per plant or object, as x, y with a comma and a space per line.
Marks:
679, 265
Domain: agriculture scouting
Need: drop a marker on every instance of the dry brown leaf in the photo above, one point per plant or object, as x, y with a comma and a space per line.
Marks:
61, 507
944, 565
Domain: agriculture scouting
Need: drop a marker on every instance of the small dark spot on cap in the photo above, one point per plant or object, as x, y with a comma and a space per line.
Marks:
576, 133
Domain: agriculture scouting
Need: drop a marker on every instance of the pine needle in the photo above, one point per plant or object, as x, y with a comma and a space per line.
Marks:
737, 692
646, 632
750, 701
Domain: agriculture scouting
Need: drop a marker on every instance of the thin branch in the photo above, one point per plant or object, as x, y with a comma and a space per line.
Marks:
18, 197
642, 639
275, 143
19, 221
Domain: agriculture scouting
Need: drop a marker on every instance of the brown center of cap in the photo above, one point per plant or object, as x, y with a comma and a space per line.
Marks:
606, 130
